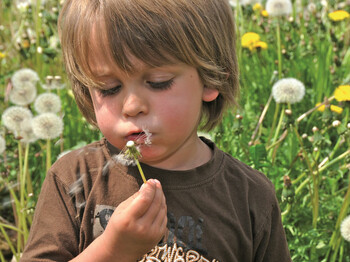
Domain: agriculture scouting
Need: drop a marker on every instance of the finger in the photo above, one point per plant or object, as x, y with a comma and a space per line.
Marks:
156, 205
143, 200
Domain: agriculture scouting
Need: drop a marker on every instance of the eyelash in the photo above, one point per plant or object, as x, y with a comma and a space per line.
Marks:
154, 85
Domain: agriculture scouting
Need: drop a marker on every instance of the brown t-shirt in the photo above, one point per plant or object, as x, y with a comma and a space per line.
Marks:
220, 211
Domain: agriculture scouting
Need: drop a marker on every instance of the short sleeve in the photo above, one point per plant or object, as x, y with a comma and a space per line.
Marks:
270, 244
54, 234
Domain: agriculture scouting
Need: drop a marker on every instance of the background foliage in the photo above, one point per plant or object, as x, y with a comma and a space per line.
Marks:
307, 158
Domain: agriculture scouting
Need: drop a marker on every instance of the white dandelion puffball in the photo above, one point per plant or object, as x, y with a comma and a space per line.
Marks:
47, 126
23, 95
47, 103
14, 116
345, 228
24, 77
288, 90
279, 7
2, 145
26, 132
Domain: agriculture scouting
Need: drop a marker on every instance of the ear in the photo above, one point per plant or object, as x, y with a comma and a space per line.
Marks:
209, 94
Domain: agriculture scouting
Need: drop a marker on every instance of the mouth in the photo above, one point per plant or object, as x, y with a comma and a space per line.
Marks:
140, 138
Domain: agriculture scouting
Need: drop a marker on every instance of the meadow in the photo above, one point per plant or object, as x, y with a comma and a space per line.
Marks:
292, 122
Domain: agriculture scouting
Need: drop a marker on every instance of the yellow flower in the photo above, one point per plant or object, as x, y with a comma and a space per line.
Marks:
338, 15
336, 109
260, 45
321, 108
342, 93
249, 39
25, 43
257, 7
2, 55
264, 13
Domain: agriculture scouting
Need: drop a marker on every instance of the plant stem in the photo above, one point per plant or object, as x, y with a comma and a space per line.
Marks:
48, 155
140, 170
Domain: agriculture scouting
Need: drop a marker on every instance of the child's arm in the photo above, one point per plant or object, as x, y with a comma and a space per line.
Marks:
136, 226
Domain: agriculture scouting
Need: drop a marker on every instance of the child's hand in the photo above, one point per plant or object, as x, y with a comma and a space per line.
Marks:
138, 224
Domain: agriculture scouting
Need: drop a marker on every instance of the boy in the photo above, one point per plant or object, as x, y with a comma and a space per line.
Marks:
158, 68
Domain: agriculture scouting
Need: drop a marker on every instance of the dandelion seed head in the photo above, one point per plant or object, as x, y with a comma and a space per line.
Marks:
288, 90
336, 123
124, 160
130, 144
47, 126
2, 145
13, 116
47, 103
26, 132
279, 7
23, 95
345, 228
24, 77
315, 129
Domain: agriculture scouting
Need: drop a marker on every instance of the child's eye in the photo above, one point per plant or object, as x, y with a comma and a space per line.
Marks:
110, 91
161, 85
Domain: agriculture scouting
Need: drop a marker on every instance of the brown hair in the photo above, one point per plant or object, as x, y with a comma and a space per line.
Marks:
200, 33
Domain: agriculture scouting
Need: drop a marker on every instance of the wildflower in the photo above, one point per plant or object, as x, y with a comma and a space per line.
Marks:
345, 228
2, 55
26, 131
133, 151
338, 15
260, 45
288, 90
336, 109
47, 126
279, 7
264, 13
321, 108
23, 95
342, 93
249, 39
13, 116
2, 145
257, 7
336, 123
47, 103
24, 77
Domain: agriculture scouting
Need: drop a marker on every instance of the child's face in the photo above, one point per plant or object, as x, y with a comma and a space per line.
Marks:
166, 101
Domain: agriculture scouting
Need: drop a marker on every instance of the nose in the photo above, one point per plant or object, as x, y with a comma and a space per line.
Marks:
134, 104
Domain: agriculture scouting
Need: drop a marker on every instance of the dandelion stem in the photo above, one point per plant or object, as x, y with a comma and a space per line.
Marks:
48, 154
140, 170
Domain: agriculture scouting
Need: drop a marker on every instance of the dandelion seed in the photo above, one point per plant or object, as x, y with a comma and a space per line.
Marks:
63, 153
124, 160
345, 228
14, 116
105, 169
47, 103
23, 77
77, 186
279, 7
2, 145
47, 126
288, 90
23, 95
26, 132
